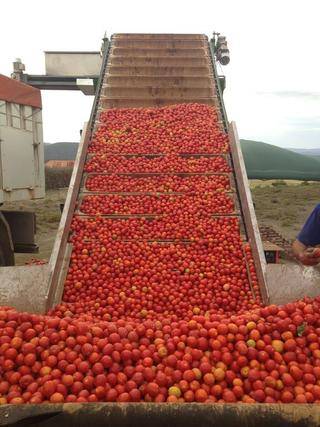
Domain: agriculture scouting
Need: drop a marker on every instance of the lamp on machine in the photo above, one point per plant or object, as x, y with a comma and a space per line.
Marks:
221, 49
18, 69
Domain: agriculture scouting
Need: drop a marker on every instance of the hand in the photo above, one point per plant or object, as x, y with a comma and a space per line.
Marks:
310, 256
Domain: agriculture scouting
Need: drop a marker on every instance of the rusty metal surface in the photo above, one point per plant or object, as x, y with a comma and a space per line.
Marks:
158, 51
165, 44
159, 81
158, 36
152, 70
157, 92
118, 70
158, 61
150, 102
160, 415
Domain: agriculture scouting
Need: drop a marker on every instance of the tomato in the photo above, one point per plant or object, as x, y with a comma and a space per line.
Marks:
158, 305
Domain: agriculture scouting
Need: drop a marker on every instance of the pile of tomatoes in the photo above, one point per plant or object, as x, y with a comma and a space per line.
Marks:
157, 184
171, 163
158, 204
161, 301
185, 128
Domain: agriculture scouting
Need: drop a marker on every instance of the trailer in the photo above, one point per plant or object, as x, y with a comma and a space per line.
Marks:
149, 70
21, 165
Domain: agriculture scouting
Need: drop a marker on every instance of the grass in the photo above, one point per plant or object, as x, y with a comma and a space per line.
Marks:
285, 207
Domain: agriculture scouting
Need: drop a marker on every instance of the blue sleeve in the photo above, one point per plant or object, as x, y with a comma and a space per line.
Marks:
310, 233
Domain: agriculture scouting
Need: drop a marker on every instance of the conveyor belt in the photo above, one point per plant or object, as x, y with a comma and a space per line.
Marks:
153, 70
150, 70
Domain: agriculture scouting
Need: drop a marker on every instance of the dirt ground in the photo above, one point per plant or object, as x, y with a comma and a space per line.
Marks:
283, 205
47, 220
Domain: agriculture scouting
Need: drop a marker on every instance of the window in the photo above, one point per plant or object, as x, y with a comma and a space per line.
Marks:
28, 124
16, 115
3, 113
27, 114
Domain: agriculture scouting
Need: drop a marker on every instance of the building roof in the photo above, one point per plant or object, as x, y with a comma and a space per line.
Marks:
14, 91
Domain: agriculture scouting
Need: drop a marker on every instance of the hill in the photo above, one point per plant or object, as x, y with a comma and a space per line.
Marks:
263, 161
266, 161
307, 151
60, 151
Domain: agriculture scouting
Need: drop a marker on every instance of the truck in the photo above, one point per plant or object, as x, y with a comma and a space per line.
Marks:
21, 165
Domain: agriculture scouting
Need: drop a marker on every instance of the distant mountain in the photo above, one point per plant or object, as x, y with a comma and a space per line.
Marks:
306, 151
263, 161
266, 161
60, 151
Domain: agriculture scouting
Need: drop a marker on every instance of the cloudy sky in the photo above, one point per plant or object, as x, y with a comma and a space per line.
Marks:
273, 79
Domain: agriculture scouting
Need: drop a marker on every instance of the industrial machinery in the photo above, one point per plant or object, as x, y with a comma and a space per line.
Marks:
21, 165
141, 70
156, 70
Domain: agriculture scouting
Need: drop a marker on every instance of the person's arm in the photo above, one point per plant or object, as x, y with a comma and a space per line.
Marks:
309, 237
307, 256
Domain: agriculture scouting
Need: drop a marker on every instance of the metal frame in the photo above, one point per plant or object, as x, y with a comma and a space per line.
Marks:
45, 82
60, 255
59, 248
242, 188
145, 414
249, 215
218, 88
6, 243
224, 118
